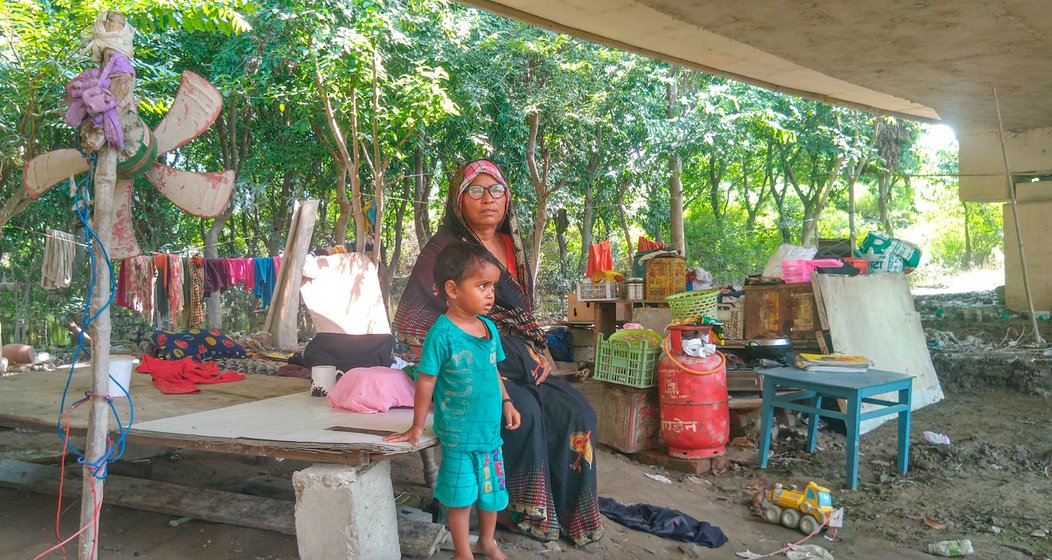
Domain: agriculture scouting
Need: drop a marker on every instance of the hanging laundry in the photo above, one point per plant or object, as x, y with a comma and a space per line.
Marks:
175, 288
193, 312
120, 294
59, 250
139, 292
215, 280
241, 271
160, 263
266, 278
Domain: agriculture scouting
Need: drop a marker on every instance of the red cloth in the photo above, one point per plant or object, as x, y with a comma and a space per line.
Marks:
600, 259
174, 377
645, 244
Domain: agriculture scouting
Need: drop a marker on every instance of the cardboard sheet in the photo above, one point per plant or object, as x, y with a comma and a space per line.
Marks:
299, 419
342, 294
874, 316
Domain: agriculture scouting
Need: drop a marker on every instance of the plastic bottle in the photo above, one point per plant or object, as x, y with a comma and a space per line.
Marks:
951, 548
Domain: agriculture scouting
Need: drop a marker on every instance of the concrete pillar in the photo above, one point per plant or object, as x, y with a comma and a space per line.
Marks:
346, 513
982, 180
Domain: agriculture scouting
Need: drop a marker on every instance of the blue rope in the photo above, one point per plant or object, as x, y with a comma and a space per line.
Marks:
114, 452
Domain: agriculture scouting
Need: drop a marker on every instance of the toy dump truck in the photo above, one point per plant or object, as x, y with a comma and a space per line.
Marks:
805, 510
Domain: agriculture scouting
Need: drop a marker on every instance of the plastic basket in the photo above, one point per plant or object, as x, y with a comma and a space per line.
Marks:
599, 291
799, 271
699, 303
629, 363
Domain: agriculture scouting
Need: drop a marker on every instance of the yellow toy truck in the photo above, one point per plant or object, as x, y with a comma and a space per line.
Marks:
805, 510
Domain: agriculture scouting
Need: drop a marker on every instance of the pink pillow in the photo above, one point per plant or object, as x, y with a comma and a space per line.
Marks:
372, 389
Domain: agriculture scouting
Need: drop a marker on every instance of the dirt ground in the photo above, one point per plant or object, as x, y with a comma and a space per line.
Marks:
992, 485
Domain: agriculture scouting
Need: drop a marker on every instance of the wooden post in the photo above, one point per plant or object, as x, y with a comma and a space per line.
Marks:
105, 176
1018, 229
104, 183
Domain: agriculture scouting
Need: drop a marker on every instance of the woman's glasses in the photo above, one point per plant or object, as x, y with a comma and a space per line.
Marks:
496, 190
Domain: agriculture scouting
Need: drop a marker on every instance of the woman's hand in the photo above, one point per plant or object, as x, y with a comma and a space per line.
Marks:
544, 367
412, 435
512, 419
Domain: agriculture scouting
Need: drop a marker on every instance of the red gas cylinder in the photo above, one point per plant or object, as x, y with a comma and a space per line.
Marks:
695, 420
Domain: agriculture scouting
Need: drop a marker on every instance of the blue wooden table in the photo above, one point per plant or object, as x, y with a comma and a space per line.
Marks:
855, 389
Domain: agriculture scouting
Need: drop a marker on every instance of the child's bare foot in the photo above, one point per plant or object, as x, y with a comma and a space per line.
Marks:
490, 550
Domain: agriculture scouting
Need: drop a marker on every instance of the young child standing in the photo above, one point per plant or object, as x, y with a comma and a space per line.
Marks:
458, 368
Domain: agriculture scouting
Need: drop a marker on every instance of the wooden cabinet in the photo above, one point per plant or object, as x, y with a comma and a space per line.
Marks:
782, 310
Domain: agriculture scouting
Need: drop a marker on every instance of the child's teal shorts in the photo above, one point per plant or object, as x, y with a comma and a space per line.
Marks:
467, 478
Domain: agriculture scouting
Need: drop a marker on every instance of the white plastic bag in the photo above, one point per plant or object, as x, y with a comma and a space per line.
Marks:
786, 252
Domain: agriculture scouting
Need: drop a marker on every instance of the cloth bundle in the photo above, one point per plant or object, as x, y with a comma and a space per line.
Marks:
182, 376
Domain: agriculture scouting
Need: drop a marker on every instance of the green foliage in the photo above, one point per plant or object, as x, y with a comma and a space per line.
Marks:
453, 83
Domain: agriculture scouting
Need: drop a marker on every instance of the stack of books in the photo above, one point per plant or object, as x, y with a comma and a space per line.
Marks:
833, 363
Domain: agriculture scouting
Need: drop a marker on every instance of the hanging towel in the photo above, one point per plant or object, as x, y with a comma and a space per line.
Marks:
241, 271
175, 288
59, 250
214, 278
139, 285
663, 522
266, 279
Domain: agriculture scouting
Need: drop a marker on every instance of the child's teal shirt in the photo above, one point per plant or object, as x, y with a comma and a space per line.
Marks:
468, 400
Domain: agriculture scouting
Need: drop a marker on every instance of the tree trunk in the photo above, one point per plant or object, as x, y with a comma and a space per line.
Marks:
539, 178
379, 167
852, 234
21, 333
561, 225
884, 187
675, 182
233, 144
815, 203
622, 190
339, 230
421, 194
348, 163
215, 313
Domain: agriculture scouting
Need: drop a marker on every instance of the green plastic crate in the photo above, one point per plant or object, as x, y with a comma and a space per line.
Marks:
629, 363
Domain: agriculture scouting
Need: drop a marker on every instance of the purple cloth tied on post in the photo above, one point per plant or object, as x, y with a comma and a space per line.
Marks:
88, 96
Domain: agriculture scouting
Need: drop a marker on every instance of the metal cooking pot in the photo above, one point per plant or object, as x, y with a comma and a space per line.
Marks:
776, 349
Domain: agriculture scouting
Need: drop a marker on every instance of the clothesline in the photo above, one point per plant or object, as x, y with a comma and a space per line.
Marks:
44, 234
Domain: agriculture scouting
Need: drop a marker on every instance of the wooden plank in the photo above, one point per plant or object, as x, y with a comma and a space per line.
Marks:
820, 305
284, 327
32, 399
295, 422
161, 497
823, 343
874, 316
268, 325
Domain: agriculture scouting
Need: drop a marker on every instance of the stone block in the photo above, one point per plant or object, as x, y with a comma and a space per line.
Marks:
346, 513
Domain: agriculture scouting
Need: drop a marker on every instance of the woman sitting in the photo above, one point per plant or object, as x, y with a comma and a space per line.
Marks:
550, 460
